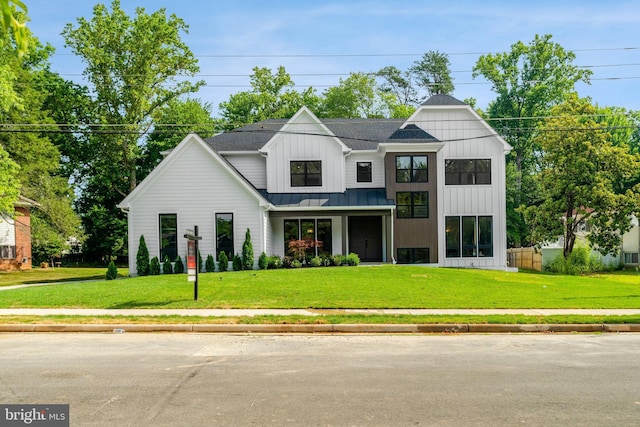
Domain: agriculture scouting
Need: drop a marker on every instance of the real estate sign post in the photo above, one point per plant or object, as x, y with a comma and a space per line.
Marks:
192, 258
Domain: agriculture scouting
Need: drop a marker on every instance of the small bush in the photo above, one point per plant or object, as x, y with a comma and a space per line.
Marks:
112, 271
286, 262
336, 260
223, 262
154, 266
274, 262
263, 261
167, 268
353, 259
316, 261
178, 267
210, 264
580, 261
296, 264
142, 258
237, 263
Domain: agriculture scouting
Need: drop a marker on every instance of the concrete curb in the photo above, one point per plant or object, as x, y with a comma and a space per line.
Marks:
323, 328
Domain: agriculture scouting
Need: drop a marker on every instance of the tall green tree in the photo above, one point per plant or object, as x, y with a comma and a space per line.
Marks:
581, 180
135, 66
272, 96
433, 73
428, 76
357, 96
9, 183
528, 80
26, 143
15, 22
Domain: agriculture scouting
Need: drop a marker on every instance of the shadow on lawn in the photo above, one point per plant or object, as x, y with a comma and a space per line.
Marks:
147, 304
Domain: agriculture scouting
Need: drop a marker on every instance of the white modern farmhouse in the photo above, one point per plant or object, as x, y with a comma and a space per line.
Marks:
428, 190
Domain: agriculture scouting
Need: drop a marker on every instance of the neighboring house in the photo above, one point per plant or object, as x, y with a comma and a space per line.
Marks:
15, 237
428, 190
631, 244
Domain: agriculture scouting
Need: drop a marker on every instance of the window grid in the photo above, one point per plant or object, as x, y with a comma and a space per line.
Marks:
412, 204
411, 169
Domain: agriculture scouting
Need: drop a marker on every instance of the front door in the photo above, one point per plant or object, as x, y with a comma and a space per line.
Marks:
365, 237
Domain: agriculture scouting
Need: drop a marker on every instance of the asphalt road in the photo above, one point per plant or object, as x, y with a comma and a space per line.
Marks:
327, 380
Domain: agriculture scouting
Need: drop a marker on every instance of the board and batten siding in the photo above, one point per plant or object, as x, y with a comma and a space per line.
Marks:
465, 136
304, 142
194, 186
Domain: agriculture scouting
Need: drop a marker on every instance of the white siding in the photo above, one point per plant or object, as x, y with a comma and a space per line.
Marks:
631, 239
465, 137
252, 166
377, 172
302, 141
7, 231
194, 186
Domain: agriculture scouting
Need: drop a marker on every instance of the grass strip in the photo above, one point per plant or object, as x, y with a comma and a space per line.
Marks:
328, 319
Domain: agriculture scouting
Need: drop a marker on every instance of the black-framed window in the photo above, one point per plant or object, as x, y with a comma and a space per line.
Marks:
412, 204
306, 173
224, 235
168, 237
363, 172
469, 236
413, 255
411, 169
309, 229
467, 171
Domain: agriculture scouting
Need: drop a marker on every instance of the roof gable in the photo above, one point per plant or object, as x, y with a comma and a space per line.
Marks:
304, 118
166, 163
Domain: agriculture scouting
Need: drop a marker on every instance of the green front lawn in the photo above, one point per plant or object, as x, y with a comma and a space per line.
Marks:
51, 275
384, 286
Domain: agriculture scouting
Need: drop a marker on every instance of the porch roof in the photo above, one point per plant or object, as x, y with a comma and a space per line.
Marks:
355, 198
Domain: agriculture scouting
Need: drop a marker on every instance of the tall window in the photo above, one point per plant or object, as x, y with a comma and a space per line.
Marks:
411, 169
469, 236
306, 173
467, 171
412, 204
363, 172
224, 234
309, 229
168, 237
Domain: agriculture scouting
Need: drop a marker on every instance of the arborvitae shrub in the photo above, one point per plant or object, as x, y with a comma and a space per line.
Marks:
237, 263
199, 262
210, 264
247, 252
167, 268
178, 267
112, 271
142, 258
154, 266
263, 261
223, 261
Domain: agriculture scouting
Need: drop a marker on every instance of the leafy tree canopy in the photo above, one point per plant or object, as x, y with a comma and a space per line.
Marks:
580, 180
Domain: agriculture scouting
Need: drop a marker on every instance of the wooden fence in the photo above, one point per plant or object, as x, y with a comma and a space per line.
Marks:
529, 258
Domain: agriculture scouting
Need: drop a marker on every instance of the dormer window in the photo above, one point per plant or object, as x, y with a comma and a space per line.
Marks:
306, 173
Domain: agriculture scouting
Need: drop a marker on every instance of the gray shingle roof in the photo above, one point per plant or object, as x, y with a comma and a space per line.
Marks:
357, 134
355, 197
443, 100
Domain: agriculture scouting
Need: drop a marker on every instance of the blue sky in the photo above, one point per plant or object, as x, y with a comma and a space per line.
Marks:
332, 38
